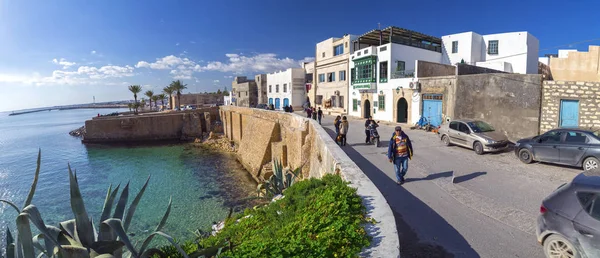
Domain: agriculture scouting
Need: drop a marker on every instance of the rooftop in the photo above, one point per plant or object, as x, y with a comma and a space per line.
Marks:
401, 36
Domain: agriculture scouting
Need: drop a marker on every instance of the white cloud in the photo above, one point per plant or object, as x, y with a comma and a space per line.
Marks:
83, 75
177, 44
259, 63
93, 52
216, 81
165, 63
228, 76
192, 42
66, 64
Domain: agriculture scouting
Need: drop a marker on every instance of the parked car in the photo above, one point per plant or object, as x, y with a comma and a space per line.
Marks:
569, 223
567, 146
473, 134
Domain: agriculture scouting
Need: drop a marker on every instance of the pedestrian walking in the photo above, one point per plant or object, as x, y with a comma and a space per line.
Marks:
367, 131
308, 112
336, 123
314, 113
319, 115
343, 131
399, 152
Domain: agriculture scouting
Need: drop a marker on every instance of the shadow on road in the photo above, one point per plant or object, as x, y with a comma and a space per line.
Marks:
403, 203
460, 179
431, 176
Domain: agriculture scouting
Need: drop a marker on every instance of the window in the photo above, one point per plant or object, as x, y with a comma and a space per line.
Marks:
333, 100
346, 44
590, 203
319, 100
246, 94
352, 74
550, 137
383, 71
584, 199
342, 75
383, 49
239, 94
454, 47
331, 77
277, 88
575, 138
323, 54
341, 100
284, 87
354, 105
338, 50
322, 77
454, 125
400, 66
463, 128
364, 71
270, 88
493, 47
381, 102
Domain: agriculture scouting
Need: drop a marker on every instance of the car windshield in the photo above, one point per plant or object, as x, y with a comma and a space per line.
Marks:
480, 127
597, 133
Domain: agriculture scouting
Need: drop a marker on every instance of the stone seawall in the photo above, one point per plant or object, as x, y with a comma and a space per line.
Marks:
177, 125
263, 135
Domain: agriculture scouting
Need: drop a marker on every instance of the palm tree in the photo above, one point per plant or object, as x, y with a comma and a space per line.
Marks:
130, 105
162, 98
135, 89
168, 90
178, 86
154, 98
143, 103
149, 94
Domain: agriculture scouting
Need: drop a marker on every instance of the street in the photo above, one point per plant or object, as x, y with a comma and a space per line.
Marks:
456, 203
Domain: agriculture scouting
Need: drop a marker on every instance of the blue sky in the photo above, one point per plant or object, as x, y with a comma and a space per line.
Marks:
65, 52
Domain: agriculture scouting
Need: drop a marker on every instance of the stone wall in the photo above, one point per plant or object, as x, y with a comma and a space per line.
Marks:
183, 125
263, 135
465, 69
509, 102
588, 94
445, 85
429, 69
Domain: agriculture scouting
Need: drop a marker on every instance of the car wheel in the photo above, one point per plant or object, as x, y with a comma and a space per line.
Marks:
556, 246
478, 148
590, 163
446, 140
525, 156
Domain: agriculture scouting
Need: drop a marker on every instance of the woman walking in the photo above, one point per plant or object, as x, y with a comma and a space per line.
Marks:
343, 131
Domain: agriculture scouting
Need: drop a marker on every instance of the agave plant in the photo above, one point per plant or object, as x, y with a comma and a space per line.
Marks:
78, 237
279, 181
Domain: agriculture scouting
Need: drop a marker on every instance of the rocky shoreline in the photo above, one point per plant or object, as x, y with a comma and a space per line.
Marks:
79, 132
217, 141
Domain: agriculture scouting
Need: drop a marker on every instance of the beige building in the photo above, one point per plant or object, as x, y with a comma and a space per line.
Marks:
332, 74
309, 71
261, 84
244, 92
577, 66
197, 99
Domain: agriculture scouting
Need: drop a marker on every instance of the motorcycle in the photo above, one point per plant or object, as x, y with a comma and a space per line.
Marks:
374, 134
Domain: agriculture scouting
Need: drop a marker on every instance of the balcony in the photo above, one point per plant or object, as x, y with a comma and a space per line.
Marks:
402, 74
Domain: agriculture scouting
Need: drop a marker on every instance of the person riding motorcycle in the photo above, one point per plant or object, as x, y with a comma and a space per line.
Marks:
373, 130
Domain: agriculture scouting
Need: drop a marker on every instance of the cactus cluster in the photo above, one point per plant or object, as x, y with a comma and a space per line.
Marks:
79, 237
279, 181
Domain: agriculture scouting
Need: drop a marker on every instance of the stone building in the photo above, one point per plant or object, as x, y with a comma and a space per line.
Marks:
570, 104
197, 99
244, 92
261, 84
309, 71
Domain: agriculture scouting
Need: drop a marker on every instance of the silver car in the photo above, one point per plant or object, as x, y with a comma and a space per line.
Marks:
473, 134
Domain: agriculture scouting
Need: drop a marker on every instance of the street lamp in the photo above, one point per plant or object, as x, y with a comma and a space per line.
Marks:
397, 90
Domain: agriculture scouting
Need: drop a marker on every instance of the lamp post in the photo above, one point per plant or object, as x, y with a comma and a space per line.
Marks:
397, 90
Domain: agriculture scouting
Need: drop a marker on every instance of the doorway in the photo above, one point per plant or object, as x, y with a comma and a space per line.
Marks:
402, 111
569, 113
367, 109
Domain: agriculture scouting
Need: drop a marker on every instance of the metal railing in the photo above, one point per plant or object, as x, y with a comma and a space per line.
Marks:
402, 74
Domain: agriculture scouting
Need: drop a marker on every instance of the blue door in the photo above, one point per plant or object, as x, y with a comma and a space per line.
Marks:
270, 101
277, 103
569, 113
286, 102
432, 109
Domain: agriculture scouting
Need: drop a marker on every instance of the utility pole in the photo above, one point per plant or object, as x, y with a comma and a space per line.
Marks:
94, 100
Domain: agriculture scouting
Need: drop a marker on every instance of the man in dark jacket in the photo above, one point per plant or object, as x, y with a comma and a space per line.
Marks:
399, 152
367, 131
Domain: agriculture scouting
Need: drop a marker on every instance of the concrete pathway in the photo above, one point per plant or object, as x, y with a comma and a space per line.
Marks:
456, 203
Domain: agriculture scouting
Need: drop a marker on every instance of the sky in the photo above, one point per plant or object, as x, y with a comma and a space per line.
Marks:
63, 52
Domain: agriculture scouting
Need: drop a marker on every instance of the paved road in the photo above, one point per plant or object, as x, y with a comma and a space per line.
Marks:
456, 203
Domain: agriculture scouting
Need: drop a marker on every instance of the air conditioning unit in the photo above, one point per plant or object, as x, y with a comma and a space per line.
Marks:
337, 92
411, 85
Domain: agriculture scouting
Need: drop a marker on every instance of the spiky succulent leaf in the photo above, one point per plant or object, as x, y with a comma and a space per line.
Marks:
70, 251
10, 244
35, 180
36, 243
120, 209
105, 256
82, 221
169, 238
133, 205
11, 205
106, 233
117, 226
35, 217
107, 247
25, 236
69, 228
162, 223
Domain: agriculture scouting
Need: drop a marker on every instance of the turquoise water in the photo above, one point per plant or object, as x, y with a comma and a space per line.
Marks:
201, 182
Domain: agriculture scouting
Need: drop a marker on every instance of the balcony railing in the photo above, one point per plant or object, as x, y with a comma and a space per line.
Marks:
403, 74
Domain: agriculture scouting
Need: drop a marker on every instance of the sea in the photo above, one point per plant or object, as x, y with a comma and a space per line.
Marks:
202, 183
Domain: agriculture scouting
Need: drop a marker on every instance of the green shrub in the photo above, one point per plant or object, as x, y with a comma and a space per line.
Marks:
317, 218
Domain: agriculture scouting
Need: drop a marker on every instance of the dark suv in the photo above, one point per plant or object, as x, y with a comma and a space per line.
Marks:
569, 225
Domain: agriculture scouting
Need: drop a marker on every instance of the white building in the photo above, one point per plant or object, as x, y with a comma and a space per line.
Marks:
285, 88
227, 100
383, 76
513, 52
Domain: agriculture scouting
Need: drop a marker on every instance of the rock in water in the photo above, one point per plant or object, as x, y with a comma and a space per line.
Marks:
79, 132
